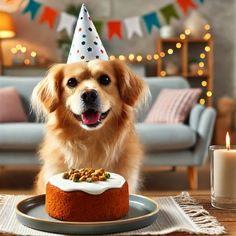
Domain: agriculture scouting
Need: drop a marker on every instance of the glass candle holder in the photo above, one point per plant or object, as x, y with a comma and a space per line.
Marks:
223, 176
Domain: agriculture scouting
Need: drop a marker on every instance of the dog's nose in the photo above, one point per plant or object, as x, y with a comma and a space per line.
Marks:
89, 96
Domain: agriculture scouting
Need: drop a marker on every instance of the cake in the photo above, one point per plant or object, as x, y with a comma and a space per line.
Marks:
87, 195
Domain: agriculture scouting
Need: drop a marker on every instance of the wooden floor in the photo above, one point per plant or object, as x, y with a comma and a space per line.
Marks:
20, 180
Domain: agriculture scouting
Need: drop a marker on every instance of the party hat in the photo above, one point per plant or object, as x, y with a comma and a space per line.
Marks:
86, 44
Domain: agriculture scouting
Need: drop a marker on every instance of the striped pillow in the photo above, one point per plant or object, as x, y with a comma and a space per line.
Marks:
172, 106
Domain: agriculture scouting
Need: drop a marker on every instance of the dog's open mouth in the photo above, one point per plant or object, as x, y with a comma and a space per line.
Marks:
91, 117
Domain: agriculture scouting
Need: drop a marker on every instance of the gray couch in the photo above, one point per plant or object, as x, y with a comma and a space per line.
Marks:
165, 144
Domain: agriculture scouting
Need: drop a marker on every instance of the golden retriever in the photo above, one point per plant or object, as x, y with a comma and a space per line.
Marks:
89, 109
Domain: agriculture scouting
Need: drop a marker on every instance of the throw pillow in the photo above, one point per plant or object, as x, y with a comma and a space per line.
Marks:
11, 109
173, 106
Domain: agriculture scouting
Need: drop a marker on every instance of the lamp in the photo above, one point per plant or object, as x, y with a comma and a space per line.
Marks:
7, 30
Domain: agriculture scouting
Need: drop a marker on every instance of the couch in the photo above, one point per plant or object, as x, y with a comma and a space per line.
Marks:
165, 144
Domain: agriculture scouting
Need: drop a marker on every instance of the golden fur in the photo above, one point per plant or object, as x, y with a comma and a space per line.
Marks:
114, 146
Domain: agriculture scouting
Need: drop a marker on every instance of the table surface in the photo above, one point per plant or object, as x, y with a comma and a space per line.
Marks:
226, 217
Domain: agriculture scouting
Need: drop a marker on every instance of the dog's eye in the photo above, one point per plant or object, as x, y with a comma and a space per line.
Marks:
104, 80
72, 82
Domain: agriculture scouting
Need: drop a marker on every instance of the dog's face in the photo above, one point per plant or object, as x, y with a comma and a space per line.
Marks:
89, 93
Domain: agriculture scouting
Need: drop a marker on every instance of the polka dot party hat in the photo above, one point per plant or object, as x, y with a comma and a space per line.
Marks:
86, 44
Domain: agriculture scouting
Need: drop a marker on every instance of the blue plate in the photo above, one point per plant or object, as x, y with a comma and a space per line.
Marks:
142, 212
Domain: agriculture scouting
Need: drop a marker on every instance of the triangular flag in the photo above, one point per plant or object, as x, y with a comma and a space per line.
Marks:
151, 20
99, 26
168, 12
86, 44
33, 8
66, 22
185, 5
48, 16
114, 28
132, 25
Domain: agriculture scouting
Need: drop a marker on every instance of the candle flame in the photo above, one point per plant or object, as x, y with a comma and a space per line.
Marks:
227, 141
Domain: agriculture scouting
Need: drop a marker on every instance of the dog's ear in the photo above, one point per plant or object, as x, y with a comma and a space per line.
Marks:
46, 95
131, 87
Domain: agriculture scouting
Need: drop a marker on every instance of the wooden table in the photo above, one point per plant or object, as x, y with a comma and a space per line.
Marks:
225, 217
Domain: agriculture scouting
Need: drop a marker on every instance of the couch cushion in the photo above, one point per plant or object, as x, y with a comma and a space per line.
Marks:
24, 86
165, 137
20, 136
11, 109
173, 106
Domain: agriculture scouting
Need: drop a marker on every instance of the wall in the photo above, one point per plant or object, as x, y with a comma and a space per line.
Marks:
220, 14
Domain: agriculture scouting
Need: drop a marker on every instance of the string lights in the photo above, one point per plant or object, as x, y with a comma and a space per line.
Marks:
154, 57
21, 55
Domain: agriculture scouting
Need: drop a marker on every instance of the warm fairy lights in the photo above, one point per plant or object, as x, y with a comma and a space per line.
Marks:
149, 57
163, 73
155, 56
21, 55
131, 57
170, 51
112, 57
202, 101
18, 46
201, 64
209, 93
207, 27
13, 50
207, 49
33, 54
207, 36
182, 36
187, 31
23, 49
178, 45
200, 72
139, 58
26, 61
162, 54
122, 57
204, 83
202, 55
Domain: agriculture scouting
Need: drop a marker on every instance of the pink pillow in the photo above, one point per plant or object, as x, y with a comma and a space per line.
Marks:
11, 109
172, 106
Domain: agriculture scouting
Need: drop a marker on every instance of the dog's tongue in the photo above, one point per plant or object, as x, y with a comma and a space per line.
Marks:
90, 117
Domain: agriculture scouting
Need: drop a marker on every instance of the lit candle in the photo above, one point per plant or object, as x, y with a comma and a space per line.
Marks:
225, 171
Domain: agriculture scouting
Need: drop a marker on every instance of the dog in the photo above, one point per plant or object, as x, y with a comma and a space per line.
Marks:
89, 112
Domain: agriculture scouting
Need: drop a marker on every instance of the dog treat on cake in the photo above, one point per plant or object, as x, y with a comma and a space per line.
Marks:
87, 195
86, 174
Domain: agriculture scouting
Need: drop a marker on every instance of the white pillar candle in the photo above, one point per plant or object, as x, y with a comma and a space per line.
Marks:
225, 171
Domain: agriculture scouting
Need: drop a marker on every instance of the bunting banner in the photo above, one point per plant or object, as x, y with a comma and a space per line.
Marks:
169, 12
151, 20
48, 16
66, 22
114, 28
186, 4
133, 25
32, 8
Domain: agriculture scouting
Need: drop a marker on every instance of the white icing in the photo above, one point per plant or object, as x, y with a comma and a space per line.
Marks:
95, 188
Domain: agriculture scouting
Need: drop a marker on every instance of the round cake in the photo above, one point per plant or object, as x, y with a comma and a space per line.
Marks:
102, 200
